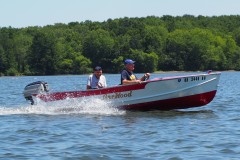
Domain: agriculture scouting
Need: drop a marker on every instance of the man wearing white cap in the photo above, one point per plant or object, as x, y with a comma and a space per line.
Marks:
127, 76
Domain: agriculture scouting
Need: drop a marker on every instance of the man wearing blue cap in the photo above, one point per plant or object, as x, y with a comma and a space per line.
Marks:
127, 76
96, 80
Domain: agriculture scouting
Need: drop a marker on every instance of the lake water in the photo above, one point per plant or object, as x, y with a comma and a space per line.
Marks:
98, 131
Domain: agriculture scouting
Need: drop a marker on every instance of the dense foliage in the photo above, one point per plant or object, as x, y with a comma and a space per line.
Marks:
157, 43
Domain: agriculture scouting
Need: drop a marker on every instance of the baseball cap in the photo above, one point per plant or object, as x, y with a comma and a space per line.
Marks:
129, 61
97, 68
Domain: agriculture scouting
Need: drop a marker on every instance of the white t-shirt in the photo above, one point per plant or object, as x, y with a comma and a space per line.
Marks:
96, 83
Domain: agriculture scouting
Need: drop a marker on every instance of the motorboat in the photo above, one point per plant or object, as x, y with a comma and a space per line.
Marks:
165, 93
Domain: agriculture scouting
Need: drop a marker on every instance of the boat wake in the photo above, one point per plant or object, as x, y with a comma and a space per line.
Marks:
68, 106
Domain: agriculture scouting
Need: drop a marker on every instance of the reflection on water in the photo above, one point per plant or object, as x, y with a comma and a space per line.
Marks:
174, 114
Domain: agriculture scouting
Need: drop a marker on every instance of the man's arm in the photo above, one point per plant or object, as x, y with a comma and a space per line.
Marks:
88, 87
145, 77
125, 81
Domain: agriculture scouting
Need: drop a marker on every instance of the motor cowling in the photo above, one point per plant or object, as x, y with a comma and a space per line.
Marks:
38, 87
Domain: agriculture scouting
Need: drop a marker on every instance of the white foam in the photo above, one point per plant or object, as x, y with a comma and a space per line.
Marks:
68, 106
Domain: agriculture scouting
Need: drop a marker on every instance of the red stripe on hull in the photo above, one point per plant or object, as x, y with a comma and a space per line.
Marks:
174, 103
75, 94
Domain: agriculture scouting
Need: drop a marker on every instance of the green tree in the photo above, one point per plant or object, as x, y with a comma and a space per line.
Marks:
82, 65
180, 43
155, 39
43, 58
98, 46
144, 62
22, 43
7, 43
236, 35
117, 64
3, 61
66, 66
195, 49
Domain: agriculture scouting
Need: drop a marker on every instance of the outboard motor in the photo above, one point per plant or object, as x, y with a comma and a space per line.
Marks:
38, 87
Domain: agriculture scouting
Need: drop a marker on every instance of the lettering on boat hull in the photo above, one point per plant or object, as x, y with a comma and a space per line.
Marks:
117, 95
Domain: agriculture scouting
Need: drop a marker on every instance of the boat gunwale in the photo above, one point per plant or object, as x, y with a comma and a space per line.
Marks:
144, 82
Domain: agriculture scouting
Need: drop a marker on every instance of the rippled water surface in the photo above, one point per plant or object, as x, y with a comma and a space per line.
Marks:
96, 130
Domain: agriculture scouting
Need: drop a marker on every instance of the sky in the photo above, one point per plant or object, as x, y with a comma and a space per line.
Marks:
26, 13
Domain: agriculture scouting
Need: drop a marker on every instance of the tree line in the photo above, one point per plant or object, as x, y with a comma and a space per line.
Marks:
166, 43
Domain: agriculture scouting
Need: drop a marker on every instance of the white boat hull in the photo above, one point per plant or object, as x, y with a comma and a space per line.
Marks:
162, 93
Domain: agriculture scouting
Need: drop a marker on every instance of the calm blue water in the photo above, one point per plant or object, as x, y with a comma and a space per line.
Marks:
98, 131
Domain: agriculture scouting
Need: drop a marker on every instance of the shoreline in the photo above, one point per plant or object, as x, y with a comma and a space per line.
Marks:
156, 72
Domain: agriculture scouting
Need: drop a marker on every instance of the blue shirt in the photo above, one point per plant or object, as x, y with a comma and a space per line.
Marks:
127, 75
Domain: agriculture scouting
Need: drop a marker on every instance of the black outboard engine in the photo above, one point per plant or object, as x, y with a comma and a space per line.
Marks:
38, 87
